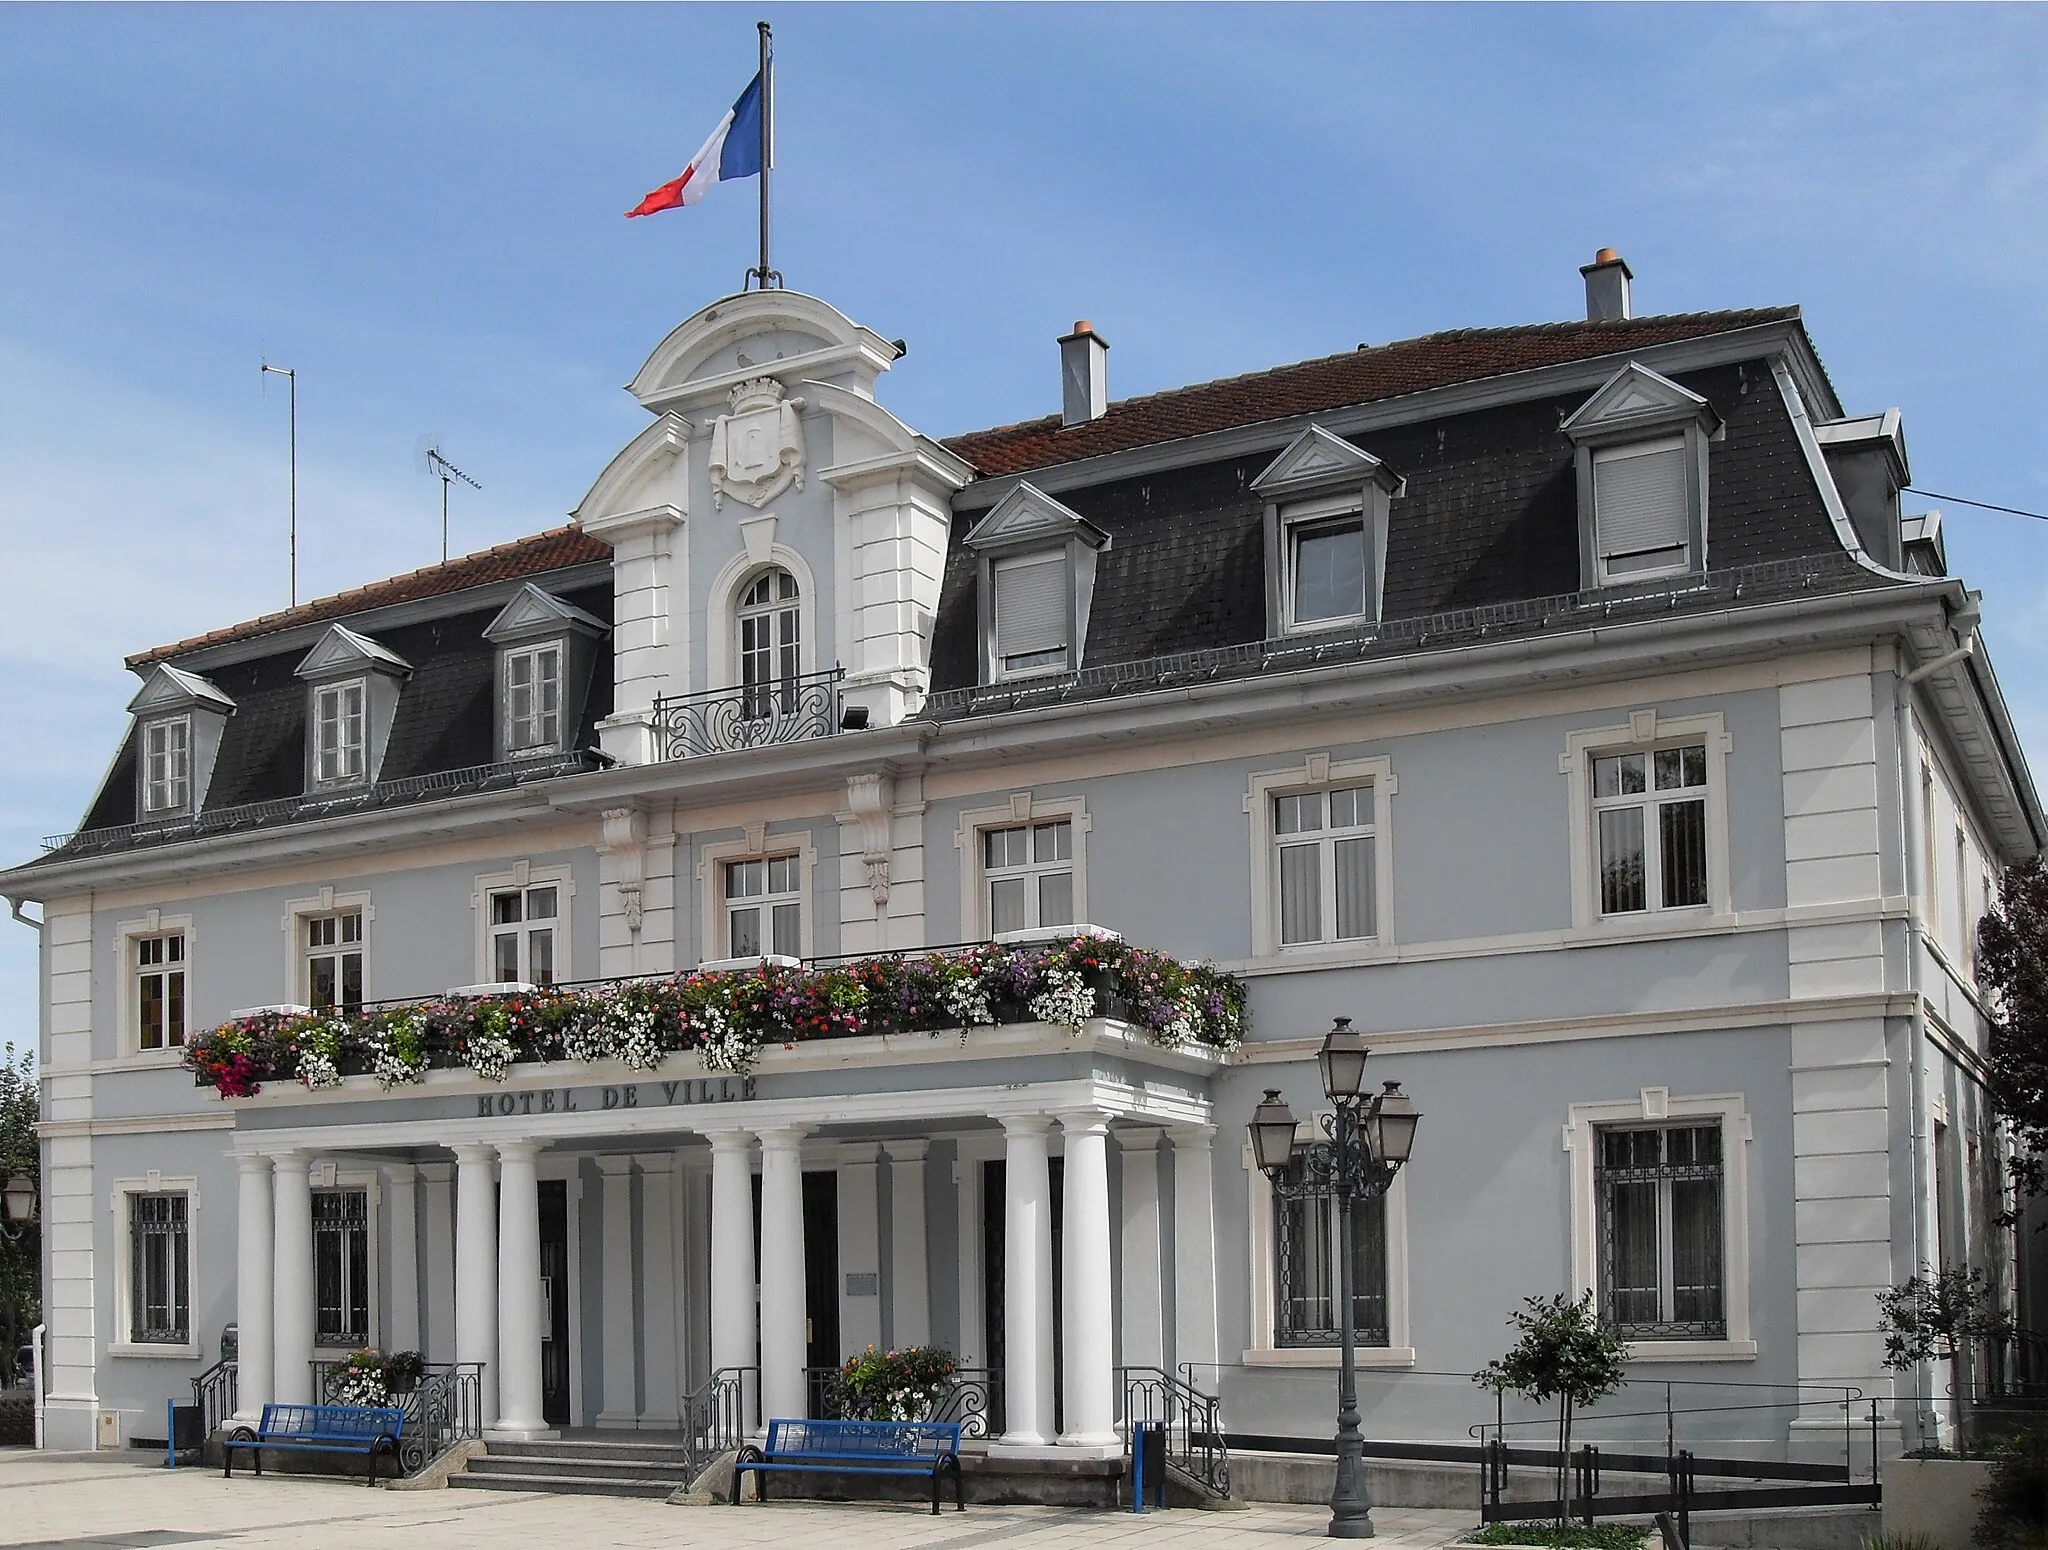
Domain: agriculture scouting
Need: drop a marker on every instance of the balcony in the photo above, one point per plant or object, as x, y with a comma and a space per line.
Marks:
788, 710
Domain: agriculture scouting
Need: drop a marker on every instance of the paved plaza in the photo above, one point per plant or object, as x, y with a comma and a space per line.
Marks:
85, 1501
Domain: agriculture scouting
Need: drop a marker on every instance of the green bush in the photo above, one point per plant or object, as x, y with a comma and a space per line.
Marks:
1562, 1536
2013, 1505
1899, 1542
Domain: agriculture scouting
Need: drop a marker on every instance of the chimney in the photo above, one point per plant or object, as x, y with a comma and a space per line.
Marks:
1084, 375
1607, 280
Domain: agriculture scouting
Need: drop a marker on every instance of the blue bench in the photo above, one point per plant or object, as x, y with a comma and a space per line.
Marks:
366, 1429
930, 1448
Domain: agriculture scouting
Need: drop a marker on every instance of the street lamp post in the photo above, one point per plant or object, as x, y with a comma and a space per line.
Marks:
1366, 1140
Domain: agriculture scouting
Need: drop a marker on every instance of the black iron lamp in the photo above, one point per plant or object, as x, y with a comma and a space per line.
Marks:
1365, 1143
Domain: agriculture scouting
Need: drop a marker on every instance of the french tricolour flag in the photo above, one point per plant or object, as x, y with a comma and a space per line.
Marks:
732, 151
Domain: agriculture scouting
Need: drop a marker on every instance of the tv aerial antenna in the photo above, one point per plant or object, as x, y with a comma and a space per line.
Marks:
432, 462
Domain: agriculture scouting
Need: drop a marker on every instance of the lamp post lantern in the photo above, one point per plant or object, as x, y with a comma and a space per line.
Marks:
1365, 1142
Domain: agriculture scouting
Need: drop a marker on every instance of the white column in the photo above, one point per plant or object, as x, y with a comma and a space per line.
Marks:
620, 1406
254, 1374
910, 1321
292, 1281
1088, 1356
402, 1330
657, 1291
438, 1206
1027, 1296
782, 1274
732, 1256
476, 1267
860, 1248
1194, 1250
520, 1415
1144, 1336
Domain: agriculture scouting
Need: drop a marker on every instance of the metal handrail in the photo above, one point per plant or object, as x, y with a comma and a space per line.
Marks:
217, 1393
716, 1416
763, 715
1193, 1420
444, 1408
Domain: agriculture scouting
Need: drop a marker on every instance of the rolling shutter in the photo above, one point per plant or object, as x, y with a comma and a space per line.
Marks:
1639, 500
1031, 606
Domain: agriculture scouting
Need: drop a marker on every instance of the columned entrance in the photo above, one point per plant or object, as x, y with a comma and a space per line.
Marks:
555, 1271
994, 1189
821, 1271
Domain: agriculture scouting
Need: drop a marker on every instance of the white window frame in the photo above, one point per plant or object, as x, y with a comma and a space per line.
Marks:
1320, 772
531, 652
296, 913
1645, 730
317, 721
1063, 557
1399, 1351
1317, 513
1021, 808
154, 1183
1675, 442
127, 1041
179, 782
757, 703
327, 1176
1659, 1106
722, 632
763, 905
521, 876
756, 845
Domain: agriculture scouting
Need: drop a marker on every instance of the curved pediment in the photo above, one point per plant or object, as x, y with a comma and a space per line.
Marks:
784, 334
633, 467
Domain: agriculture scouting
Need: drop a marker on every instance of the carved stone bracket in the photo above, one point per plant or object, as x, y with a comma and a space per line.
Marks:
625, 841
870, 799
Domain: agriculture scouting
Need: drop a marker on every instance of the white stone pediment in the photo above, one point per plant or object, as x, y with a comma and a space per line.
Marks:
538, 612
634, 468
1637, 398
779, 333
172, 688
342, 649
1026, 514
1317, 460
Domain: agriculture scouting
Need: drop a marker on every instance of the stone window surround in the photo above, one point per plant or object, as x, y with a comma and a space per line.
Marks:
292, 923
756, 843
521, 875
154, 1183
1021, 808
1318, 771
729, 585
127, 1047
327, 1175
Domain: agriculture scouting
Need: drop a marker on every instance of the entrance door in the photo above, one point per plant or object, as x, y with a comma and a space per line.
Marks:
821, 1280
554, 1301
994, 1233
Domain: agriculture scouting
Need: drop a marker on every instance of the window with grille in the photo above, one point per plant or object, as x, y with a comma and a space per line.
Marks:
1650, 814
160, 991
1031, 614
1642, 513
523, 926
764, 907
1658, 1191
339, 741
770, 645
1326, 564
341, 1267
334, 960
533, 699
1028, 875
166, 765
159, 1269
1324, 865
1306, 1269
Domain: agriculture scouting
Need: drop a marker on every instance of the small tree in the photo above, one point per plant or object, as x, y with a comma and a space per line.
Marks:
1940, 1315
1565, 1354
21, 1260
2012, 960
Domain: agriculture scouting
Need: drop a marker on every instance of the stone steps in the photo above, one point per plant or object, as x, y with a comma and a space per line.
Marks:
588, 1467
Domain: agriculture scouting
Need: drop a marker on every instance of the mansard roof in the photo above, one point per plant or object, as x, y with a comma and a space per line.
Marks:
1362, 376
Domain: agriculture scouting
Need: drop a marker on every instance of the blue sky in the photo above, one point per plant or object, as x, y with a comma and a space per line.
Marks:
419, 209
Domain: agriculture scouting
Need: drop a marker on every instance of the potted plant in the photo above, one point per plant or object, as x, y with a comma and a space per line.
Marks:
905, 1385
1565, 1354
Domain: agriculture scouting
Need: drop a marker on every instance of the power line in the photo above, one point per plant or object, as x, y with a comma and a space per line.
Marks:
2011, 511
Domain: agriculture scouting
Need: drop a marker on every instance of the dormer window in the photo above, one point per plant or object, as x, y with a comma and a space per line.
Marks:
1327, 506
1031, 615
166, 766
338, 728
179, 718
352, 686
533, 699
544, 662
1326, 566
1037, 584
1642, 472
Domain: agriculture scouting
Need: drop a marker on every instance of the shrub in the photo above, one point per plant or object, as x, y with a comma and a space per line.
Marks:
2013, 1505
896, 1385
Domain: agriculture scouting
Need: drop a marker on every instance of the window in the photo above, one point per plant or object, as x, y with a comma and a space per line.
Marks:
1651, 811
1641, 510
1326, 569
1658, 1192
1324, 863
770, 654
341, 1267
166, 765
334, 960
159, 990
1028, 870
1306, 1269
533, 699
159, 1269
338, 740
523, 924
1031, 608
764, 907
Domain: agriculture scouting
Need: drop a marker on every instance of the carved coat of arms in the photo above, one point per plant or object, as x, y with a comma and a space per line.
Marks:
757, 451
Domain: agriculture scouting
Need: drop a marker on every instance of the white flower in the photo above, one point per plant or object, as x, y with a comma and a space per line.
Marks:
967, 1000
723, 1046
490, 1056
318, 1070
630, 1033
1066, 1001
1186, 1025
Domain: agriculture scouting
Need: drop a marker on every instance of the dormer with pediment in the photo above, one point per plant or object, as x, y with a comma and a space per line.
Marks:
774, 522
547, 648
1327, 507
1641, 443
1037, 585
179, 718
352, 685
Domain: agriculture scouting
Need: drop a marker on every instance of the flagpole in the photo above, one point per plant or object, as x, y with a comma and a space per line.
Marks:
764, 275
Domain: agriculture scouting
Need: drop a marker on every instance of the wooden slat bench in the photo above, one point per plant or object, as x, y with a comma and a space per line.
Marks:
366, 1429
929, 1448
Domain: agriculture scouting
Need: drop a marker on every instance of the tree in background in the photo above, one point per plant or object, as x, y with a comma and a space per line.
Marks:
21, 1259
2012, 959
1565, 1354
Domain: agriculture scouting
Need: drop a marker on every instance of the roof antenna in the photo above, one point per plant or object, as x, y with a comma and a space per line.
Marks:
432, 462
292, 377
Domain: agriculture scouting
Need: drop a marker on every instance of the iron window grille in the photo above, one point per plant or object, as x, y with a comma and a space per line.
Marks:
159, 1265
341, 1267
1305, 1267
1650, 808
1659, 1197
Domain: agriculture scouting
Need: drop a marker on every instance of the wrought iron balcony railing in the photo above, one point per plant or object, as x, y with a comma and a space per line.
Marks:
764, 715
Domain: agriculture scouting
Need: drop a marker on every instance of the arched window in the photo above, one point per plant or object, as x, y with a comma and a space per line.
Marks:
769, 643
